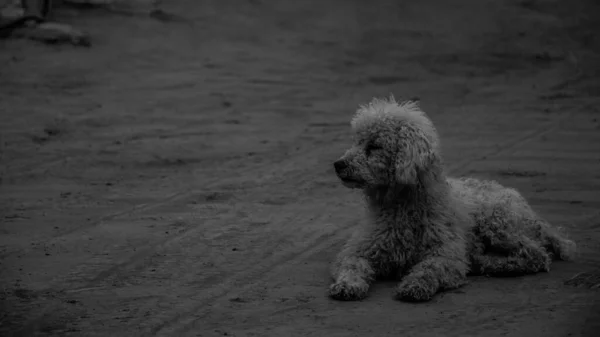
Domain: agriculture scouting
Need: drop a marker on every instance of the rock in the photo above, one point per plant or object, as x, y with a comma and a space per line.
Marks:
98, 3
124, 6
52, 32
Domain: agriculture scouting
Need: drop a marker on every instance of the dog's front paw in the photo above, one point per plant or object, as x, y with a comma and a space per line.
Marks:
349, 291
414, 291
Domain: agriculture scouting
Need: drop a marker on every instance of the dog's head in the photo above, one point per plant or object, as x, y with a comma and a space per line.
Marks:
394, 142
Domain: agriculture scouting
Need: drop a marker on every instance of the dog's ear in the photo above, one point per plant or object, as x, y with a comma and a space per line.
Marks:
412, 159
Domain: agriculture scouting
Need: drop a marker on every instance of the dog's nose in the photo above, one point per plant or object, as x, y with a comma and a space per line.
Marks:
340, 165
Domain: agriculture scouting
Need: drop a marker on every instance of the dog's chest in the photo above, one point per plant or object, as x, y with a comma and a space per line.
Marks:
394, 248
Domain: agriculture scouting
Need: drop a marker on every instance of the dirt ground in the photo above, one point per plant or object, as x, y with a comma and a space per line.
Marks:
176, 178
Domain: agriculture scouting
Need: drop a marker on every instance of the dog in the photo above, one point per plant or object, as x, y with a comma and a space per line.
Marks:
423, 228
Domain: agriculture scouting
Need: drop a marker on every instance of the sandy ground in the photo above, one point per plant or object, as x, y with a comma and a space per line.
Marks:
176, 178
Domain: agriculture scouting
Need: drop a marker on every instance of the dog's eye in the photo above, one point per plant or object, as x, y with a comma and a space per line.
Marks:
370, 148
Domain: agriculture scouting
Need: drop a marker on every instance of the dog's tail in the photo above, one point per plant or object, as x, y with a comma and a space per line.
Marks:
559, 245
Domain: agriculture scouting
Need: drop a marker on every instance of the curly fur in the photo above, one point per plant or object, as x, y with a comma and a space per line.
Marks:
424, 228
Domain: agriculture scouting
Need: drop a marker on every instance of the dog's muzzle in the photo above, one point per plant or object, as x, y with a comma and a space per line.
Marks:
340, 166
341, 169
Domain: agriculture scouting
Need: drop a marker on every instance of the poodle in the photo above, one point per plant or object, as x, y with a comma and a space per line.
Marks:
425, 229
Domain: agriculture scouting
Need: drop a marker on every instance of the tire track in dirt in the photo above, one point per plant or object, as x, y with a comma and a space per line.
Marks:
147, 251
247, 279
133, 265
179, 324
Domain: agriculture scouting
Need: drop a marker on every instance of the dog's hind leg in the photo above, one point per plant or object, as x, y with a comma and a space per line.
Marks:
430, 276
561, 248
513, 265
352, 275
503, 255
510, 244
550, 238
